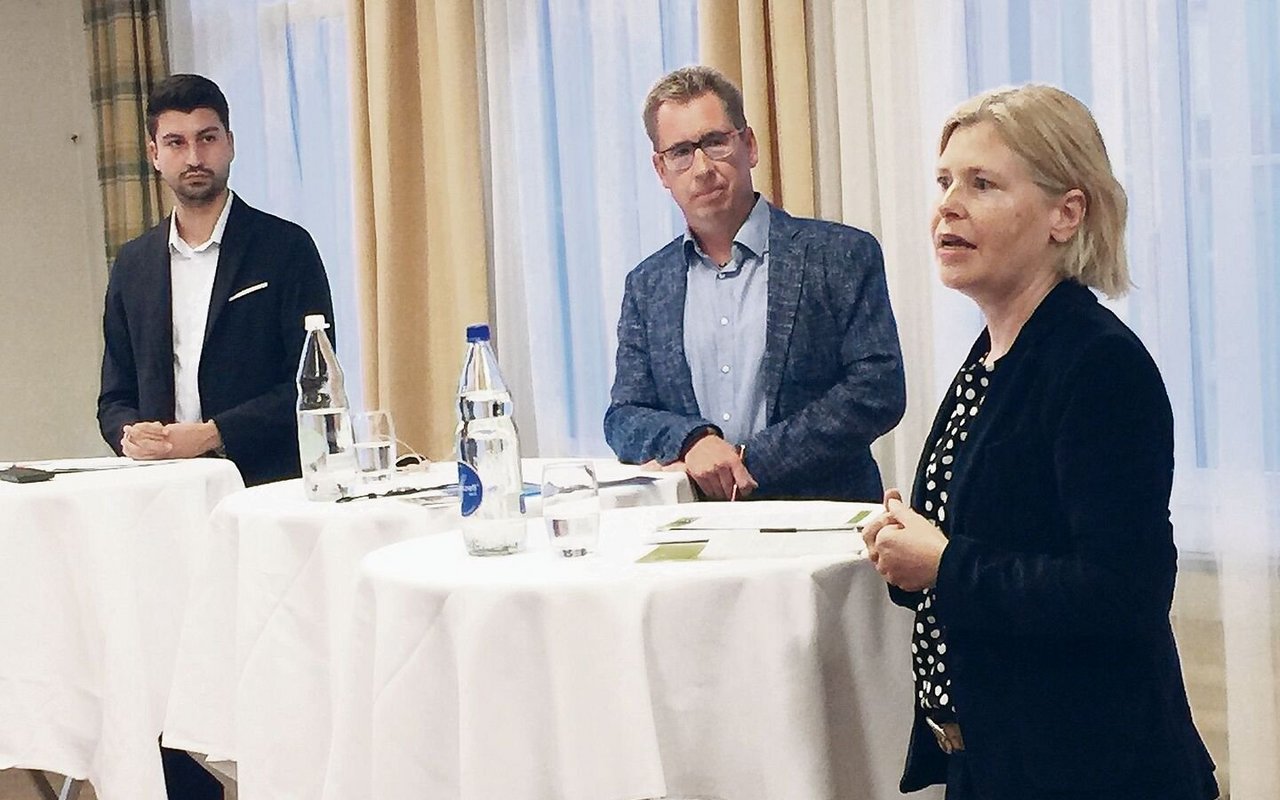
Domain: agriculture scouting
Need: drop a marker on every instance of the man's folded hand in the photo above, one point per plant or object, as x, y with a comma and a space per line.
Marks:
145, 441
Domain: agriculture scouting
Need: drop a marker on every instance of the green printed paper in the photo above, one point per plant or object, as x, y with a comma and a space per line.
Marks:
678, 551
678, 523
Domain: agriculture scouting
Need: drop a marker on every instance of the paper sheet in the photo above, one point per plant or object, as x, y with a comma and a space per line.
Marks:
776, 520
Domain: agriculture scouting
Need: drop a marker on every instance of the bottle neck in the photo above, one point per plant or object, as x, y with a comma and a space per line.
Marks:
320, 379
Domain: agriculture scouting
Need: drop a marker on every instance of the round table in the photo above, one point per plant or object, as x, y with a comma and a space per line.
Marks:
536, 677
97, 571
253, 681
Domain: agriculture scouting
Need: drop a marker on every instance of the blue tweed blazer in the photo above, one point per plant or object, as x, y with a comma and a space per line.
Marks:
832, 367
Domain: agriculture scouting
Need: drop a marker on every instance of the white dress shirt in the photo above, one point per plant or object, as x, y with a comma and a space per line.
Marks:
192, 270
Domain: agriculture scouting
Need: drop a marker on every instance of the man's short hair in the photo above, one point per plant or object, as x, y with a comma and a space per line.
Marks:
687, 84
185, 93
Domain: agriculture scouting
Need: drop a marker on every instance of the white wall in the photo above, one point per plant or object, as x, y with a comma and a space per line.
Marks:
52, 267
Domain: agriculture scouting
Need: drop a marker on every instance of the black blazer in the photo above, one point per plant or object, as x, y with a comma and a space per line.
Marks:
1056, 585
252, 343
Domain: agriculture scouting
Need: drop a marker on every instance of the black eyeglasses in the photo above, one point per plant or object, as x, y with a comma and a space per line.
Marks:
718, 145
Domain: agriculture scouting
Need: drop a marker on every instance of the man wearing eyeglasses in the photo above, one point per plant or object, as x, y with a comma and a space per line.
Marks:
758, 351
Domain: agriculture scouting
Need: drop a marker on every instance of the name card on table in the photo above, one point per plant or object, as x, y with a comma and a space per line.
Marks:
756, 532
778, 544
824, 520
747, 543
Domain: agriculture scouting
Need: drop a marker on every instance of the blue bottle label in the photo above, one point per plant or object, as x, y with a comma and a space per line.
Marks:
470, 488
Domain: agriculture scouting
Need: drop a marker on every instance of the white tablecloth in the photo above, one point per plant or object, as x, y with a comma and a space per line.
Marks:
96, 574
253, 681
534, 677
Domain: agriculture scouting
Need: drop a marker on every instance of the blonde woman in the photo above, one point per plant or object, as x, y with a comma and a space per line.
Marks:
1037, 551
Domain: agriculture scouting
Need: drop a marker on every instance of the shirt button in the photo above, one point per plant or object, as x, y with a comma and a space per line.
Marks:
725, 369
725, 416
724, 320
721, 276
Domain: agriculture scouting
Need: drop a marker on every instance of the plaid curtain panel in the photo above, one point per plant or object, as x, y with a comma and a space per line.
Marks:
128, 54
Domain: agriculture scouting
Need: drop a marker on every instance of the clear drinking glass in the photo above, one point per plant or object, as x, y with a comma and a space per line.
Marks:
571, 507
375, 445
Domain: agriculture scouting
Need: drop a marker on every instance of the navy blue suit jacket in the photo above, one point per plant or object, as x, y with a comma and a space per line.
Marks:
252, 344
1056, 584
832, 367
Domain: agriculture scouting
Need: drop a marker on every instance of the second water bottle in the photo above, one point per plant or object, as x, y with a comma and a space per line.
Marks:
493, 521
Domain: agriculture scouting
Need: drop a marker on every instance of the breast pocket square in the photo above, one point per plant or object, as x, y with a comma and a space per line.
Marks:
247, 291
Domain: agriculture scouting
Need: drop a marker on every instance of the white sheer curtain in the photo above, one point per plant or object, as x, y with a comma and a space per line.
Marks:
575, 203
878, 100
283, 66
1187, 94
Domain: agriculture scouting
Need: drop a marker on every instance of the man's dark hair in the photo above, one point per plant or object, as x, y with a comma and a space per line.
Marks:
185, 93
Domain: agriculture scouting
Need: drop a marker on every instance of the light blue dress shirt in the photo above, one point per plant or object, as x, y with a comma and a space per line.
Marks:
725, 320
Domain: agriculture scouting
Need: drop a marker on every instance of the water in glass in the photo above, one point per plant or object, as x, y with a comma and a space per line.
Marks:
571, 507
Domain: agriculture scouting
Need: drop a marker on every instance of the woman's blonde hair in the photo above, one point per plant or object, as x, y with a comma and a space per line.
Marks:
1057, 137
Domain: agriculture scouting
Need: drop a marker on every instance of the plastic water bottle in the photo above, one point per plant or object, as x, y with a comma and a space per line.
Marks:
493, 521
325, 444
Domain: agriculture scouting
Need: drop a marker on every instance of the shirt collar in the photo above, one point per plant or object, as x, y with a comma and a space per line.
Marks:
753, 236
176, 242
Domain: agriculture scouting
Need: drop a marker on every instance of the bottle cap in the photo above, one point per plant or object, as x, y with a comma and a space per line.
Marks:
315, 322
478, 333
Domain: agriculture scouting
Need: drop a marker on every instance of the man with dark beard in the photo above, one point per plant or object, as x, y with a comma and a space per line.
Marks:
203, 322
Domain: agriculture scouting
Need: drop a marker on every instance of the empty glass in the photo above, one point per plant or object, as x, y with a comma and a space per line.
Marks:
375, 445
571, 507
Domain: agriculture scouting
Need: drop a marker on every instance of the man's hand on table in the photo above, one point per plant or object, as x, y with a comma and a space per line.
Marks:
148, 441
653, 465
715, 466
191, 439
145, 441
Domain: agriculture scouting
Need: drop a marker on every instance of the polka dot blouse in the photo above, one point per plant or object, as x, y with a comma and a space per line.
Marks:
929, 639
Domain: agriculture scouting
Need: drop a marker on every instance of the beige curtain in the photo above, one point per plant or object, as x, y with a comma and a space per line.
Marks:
760, 45
874, 139
127, 56
419, 207
830, 89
